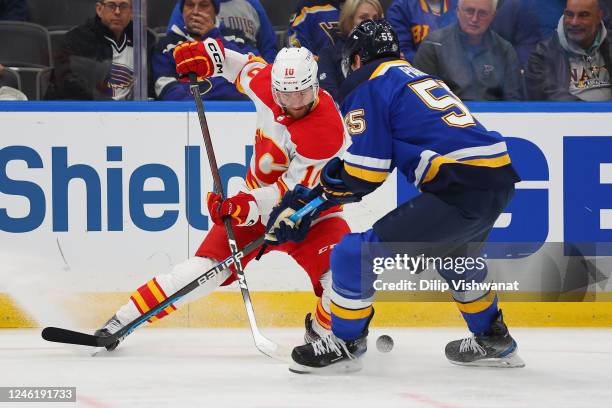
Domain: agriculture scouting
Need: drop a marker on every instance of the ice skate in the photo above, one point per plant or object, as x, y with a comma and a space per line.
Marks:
329, 354
495, 348
112, 326
314, 331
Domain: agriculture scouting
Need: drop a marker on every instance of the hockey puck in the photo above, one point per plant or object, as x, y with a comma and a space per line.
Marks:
384, 343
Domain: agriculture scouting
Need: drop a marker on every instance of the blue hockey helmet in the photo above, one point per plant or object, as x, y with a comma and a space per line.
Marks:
371, 40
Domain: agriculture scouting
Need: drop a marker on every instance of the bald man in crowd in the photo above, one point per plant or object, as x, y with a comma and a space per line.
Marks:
574, 64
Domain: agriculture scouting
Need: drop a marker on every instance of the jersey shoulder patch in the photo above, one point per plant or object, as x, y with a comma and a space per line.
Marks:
320, 134
261, 85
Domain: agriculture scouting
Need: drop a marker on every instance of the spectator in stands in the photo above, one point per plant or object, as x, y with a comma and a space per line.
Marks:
314, 24
8, 93
475, 62
330, 58
96, 60
524, 23
550, 11
574, 64
518, 22
201, 22
247, 16
414, 19
13, 10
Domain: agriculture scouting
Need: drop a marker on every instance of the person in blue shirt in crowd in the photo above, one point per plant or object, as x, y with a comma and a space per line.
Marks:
400, 117
200, 23
13, 10
518, 22
413, 20
314, 24
547, 13
330, 58
247, 16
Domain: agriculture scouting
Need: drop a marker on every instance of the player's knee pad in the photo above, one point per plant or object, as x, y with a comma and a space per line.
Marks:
189, 270
158, 289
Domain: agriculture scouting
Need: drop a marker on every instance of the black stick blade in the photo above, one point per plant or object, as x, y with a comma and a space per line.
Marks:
60, 335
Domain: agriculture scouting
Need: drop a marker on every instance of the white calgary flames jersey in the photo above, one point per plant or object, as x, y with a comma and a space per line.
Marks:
286, 151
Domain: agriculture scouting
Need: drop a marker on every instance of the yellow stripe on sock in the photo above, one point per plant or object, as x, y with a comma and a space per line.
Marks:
324, 325
155, 290
322, 310
478, 305
350, 314
141, 302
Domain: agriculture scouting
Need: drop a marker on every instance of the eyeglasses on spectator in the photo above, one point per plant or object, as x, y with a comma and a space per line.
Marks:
112, 7
471, 11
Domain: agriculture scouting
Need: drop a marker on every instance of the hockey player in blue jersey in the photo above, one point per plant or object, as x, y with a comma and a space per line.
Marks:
402, 118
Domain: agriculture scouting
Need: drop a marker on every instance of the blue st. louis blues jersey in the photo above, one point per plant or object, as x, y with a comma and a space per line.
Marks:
314, 24
413, 20
398, 116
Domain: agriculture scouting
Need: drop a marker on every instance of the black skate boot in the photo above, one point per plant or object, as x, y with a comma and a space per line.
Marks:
310, 335
110, 327
329, 354
495, 348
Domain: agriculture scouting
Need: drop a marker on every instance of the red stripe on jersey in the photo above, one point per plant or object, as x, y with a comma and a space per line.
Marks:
317, 178
306, 180
282, 186
251, 180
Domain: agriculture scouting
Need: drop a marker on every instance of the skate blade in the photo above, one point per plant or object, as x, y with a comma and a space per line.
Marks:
343, 367
512, 360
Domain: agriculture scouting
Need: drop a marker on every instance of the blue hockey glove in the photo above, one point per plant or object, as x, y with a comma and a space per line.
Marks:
280, 228
334, 188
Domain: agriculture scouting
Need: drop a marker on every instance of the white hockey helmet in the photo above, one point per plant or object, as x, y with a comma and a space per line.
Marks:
294, 76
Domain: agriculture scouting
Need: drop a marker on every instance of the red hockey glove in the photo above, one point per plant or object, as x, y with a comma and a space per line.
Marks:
241, 207
204, 58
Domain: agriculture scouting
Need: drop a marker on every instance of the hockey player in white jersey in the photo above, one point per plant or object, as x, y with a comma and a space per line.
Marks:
299, 129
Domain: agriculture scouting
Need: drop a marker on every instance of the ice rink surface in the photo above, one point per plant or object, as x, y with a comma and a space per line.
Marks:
222, 368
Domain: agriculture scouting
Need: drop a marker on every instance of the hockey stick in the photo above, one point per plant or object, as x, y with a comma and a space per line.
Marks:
263, 344
59, 335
